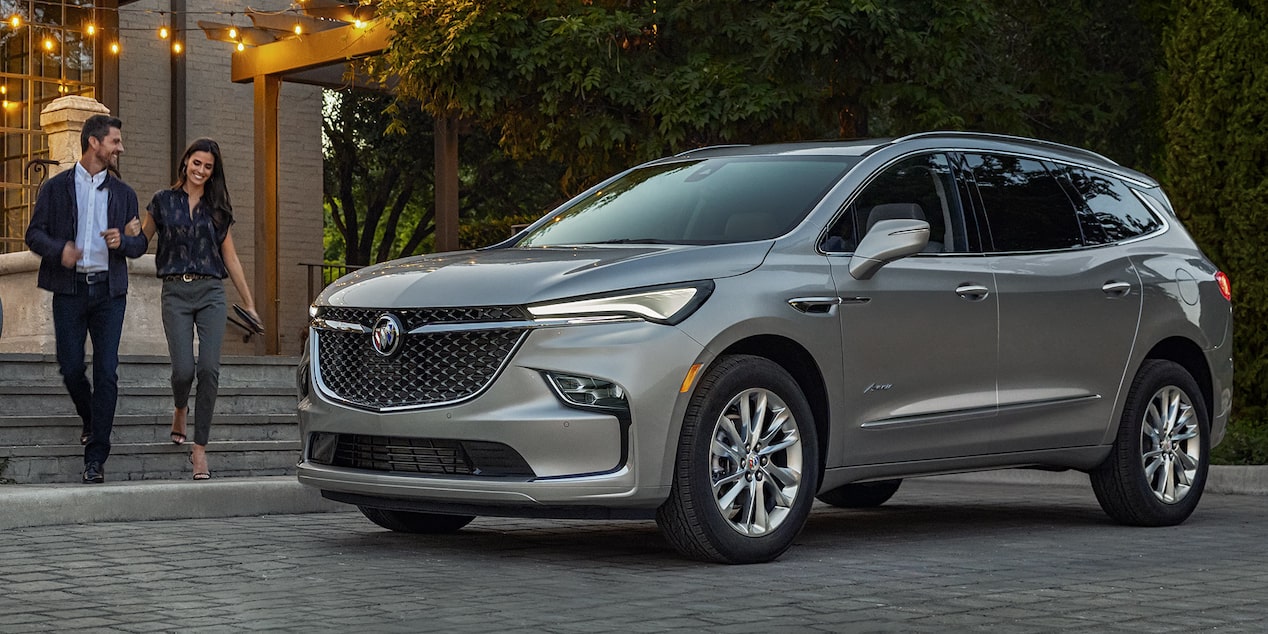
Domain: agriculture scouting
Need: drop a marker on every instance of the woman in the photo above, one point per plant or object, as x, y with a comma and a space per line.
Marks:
195, 254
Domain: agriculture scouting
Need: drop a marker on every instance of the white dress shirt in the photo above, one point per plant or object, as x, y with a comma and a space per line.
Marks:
91, 200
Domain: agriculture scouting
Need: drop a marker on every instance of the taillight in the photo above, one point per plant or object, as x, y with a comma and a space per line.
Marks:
1226, 287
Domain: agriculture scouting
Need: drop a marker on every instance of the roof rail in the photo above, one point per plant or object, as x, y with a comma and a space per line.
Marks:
1008, 137
709, 147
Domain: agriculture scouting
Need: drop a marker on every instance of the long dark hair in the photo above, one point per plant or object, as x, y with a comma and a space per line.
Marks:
216, 191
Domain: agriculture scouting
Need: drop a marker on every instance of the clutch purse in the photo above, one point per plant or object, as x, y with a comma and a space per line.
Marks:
251, 322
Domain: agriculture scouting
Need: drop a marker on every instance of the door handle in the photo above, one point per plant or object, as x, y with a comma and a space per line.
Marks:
1117, 289
972, 292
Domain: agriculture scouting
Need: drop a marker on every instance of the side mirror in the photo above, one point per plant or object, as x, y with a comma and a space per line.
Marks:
886, 241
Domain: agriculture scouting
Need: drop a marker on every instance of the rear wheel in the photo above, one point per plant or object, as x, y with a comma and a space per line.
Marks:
861, 495
746, 467
1155, 474
413, 522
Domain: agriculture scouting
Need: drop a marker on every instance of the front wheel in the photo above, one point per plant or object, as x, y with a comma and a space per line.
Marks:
746, 468
1157, 469
413, 522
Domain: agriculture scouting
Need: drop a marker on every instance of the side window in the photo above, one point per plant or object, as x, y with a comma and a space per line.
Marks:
1026, 208
919, 187
1112, 212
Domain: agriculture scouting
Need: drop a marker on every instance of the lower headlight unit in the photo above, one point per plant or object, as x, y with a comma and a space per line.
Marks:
585, 391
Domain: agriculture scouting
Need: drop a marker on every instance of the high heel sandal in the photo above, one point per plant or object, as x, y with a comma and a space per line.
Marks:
200, 475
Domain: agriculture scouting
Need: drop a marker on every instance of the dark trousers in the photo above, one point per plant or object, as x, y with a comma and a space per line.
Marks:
91, 311
188, 307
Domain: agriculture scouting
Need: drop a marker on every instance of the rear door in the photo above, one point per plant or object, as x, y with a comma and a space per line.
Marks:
1068, 310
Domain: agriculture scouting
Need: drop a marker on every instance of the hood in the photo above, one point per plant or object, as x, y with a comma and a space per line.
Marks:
522, 276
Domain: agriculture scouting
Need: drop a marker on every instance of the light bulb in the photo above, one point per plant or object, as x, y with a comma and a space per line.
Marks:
177, 48
92, 29
241, 47
114, 48
163, 32
15, 21
299, 30
233, 33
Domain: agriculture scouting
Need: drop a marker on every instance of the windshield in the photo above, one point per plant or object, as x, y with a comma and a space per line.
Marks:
710, 201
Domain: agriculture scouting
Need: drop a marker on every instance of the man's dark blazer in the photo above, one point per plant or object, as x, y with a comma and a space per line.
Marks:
56, 219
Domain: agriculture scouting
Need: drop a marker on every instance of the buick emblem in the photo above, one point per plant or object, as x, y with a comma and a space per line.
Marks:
387, 334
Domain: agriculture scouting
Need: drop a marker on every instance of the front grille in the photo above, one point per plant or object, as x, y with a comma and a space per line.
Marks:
426, 456
431, 368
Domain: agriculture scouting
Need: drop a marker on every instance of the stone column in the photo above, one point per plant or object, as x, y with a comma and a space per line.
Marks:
62, 120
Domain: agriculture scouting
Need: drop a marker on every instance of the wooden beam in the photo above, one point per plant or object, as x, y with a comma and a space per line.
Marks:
267, 91
311, 51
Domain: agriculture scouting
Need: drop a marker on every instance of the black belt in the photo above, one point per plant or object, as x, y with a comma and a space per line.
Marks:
188, 277
93, 278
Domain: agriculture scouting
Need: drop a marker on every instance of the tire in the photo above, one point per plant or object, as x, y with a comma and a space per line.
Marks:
862, 495
747, 500
418, 523
1156, 470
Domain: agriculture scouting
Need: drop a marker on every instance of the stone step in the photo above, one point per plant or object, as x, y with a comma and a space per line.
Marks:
148, 461
53, 401
19, 369
146, 428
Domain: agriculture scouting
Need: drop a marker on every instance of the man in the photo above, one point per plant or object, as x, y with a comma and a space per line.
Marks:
77, 228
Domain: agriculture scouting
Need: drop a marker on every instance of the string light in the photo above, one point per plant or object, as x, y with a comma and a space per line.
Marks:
91, 29
299, 30
241, 47
15, 21
358, 23
48, 43
177, 48
114, 48
233, 33
163, 32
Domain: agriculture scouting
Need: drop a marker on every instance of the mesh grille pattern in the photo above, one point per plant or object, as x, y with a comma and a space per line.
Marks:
415, 317
429, 456
428, 369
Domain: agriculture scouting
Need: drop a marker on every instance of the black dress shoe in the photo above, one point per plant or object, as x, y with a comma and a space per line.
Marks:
94, 474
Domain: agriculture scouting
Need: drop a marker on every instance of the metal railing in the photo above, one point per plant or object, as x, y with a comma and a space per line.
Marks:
321, 274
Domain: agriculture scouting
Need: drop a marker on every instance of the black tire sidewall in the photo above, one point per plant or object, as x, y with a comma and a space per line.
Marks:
1137, 503
725, 382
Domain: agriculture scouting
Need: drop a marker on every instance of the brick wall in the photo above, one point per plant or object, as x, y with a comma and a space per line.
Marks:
217, 108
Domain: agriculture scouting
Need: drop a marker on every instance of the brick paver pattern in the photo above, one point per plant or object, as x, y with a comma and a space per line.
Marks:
939, 557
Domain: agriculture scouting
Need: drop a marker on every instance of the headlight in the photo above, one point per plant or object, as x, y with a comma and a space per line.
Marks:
587, 391
663, 305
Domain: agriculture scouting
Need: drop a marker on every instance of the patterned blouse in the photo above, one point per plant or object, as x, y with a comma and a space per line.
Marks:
187, 243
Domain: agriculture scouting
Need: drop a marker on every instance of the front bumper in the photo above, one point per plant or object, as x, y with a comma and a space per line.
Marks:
580, 459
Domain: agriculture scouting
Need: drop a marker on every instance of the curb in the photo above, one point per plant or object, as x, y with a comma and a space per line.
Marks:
1229, 480
52, 504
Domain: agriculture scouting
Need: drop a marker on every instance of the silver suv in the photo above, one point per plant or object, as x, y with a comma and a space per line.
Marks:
717, 338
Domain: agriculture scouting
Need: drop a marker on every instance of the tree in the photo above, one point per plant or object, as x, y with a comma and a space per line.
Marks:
379, 185
1215, 103
602, 84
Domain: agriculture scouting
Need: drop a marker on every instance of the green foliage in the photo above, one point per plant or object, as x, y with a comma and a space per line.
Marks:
379, 179
1215, 103
1246, 443
600, 85
488, 231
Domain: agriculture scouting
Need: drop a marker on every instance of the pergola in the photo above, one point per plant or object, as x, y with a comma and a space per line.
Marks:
331, 37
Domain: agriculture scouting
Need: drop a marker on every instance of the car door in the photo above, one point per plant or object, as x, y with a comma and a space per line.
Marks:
919, 336
1068, 311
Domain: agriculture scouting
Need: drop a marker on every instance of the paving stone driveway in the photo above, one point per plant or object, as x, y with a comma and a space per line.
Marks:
939, 557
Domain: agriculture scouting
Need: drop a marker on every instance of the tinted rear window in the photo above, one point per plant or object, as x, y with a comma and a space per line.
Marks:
1112, 211
708, 201
1026, 208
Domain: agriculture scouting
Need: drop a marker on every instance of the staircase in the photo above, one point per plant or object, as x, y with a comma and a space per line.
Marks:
254, 431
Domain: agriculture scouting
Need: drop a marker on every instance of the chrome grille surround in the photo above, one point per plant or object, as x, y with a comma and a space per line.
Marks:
447, 355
